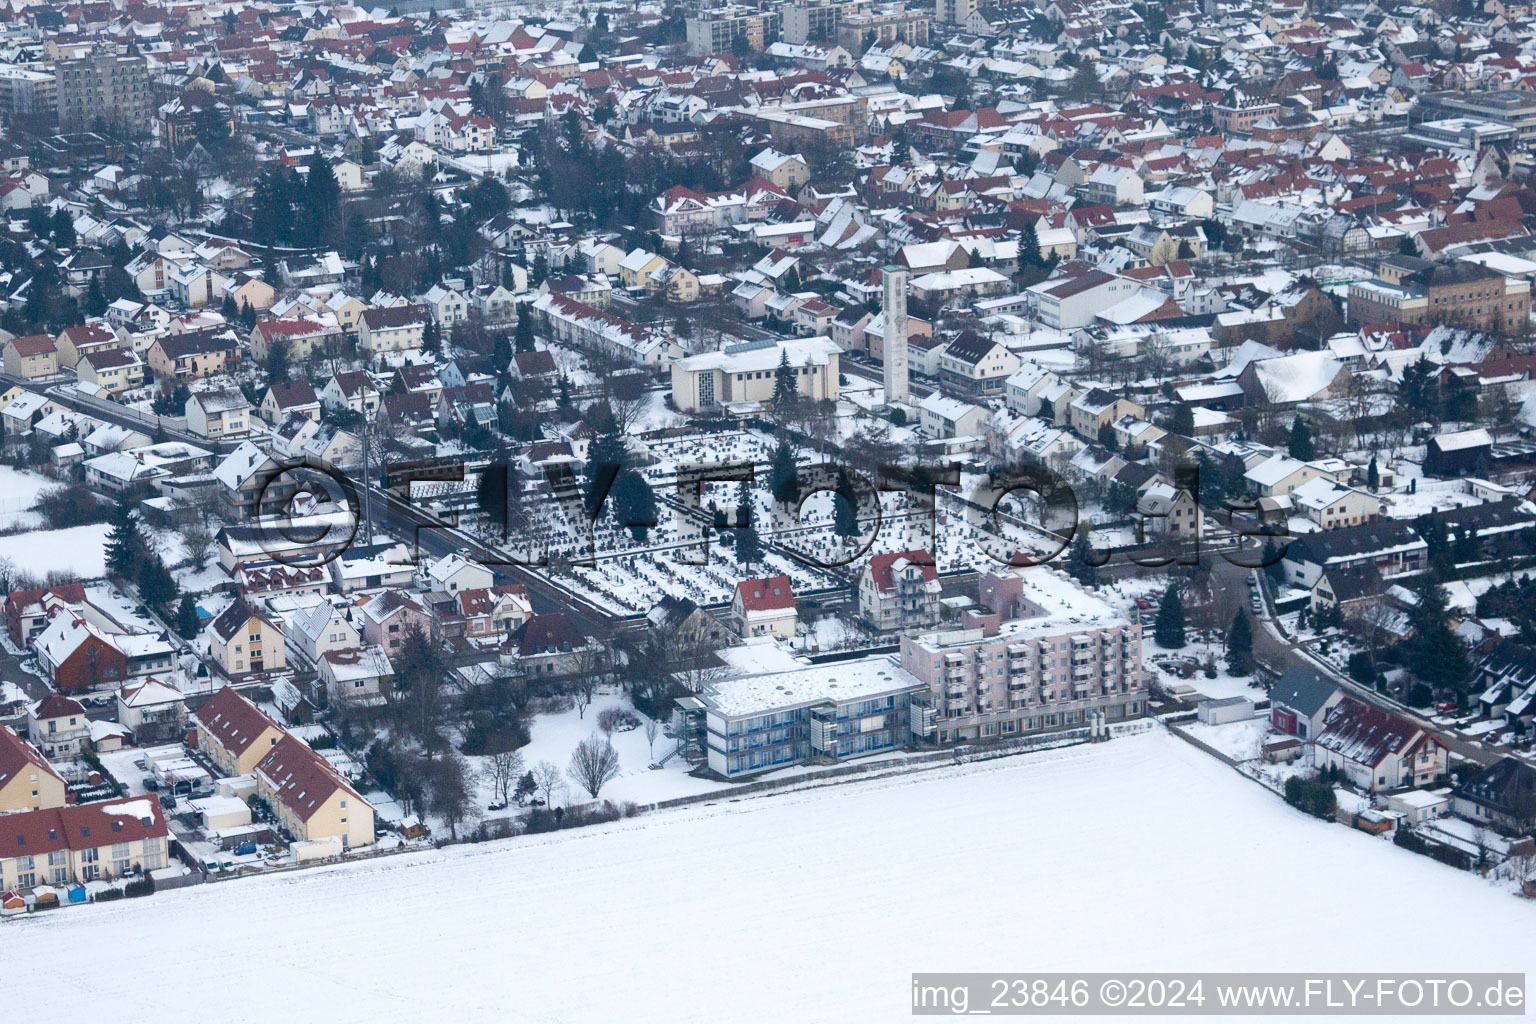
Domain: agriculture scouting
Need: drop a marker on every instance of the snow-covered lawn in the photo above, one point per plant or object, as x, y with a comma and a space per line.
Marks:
19, 491
1241, 741
677, 917
554, 737
78, 550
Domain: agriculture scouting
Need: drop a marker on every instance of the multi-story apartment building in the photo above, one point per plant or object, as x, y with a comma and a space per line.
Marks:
822, 715
888, 24
26, 93
1045, 655
713, 30
900, 591
105, 85
953, 12
64, 845
814, 20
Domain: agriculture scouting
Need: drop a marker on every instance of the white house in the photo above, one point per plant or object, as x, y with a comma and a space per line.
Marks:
453, 573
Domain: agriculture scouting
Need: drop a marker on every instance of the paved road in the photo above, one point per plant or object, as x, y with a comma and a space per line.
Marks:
12, 672
1281, 651
114, 413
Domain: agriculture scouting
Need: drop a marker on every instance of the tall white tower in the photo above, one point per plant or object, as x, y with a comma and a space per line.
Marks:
895, 281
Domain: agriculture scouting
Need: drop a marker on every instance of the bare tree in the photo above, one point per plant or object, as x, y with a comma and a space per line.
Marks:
548, 780
582, 693
448, 789
628, 396
608, 720
589, 667
652, 730
594, 763
502, 771
197, 539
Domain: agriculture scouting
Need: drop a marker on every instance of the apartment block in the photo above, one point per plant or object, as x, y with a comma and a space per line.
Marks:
1462, 294
25, 92
714, 30
1044, 655
953, 12
818, 715
104, 85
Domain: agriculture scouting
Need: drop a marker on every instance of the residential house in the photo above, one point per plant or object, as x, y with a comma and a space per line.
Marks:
389, 617
1377, 750
1299, 703
899, 591
392, 329
1502, 795
113, 370
549, 645
57, 726
322, 628
27, 781
218, 412
192, 354
243, 640
976, 365
310, 798
356, 675
234, 733
77, 656
152, 711
1390, 545
65, 846
764, 607
31, 356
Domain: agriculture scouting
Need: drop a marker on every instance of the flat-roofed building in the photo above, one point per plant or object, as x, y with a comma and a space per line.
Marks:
821, 714
1044, 655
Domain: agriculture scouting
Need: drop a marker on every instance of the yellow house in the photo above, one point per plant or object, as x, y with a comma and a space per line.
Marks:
310, 798
682, 285
111, 369
347, 309
242, 641
27, 781
252, 291
74, 343
635, 269
31, 356
234, 733
62, 845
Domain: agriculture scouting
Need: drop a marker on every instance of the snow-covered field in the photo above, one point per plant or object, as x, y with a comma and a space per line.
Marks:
19, 491
79, 550
814, 906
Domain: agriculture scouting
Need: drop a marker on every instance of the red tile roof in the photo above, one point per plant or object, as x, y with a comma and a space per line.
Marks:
771, 594
303, 779
80, 827
234, 721
17, 755
881, 566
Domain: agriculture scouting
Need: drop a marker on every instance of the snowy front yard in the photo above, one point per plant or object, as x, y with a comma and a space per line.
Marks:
555, 736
